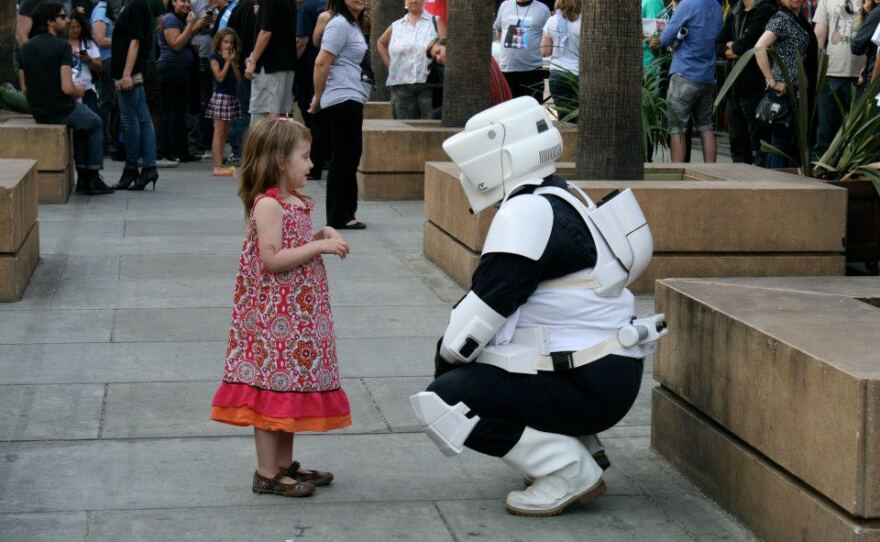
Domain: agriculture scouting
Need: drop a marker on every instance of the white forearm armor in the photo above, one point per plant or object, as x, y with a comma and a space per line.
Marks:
472, 325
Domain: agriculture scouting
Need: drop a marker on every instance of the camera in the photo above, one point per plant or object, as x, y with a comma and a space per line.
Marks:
210, 12
83, 52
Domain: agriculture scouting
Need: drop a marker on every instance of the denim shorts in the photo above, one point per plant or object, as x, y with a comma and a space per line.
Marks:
687, 100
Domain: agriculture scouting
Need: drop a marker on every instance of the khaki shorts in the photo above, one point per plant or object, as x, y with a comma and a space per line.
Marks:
688, 100
272, 93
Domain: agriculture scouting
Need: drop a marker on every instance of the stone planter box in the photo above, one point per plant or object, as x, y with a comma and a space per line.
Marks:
392, 166
862, 223
710, 220
771, 400
51, 145
19, 231
378, 110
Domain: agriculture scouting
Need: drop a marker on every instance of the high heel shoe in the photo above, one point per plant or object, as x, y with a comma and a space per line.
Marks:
148, 175
129, 176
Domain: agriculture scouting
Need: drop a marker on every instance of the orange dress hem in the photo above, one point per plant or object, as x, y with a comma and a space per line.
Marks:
244, 416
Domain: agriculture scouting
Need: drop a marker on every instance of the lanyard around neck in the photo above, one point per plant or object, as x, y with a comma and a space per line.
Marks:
526, 14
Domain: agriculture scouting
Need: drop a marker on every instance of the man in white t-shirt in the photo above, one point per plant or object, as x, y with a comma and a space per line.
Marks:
518, 27
836, 22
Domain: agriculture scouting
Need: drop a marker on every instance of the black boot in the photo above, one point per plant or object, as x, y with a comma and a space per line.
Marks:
96, 186
81, 181
129, 176
148, 175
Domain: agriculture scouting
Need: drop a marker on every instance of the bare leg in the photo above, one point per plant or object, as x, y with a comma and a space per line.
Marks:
267, 443
285, 450
676, 147
710, 151
220, 127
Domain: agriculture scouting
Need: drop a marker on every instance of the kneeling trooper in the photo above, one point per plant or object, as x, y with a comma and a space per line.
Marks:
545, 350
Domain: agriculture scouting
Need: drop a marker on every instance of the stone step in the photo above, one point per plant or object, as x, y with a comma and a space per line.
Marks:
708, 208
775, 505
18, 202
790, 366
16, 269
51, 145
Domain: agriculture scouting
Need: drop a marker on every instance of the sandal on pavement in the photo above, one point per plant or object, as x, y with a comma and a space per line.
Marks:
223, 172
315, 477
274, 486
353, 226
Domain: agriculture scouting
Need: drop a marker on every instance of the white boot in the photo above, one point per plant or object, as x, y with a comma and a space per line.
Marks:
563, 470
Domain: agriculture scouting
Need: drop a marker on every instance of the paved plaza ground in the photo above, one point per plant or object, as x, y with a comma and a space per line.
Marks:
110, 360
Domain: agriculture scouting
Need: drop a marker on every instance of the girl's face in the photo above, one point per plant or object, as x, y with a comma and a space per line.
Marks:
298, 165
438, 53
181, 7
228, 43
414, 6
867, 6
73, 29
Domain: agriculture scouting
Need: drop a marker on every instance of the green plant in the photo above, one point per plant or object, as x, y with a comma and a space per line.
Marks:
655, 109
854, 153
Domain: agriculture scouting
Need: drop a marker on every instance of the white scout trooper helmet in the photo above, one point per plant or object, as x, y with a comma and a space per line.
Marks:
504, 147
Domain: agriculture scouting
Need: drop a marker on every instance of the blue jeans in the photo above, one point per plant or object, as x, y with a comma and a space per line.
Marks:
239, 125
88, 137
140, 138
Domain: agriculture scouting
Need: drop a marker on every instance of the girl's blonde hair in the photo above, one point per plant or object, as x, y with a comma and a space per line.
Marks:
218, 39
267, 145
571, 9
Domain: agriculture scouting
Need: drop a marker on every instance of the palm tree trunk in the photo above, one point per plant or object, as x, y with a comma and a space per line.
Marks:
468, 51
7, 42
609, 118
382, 14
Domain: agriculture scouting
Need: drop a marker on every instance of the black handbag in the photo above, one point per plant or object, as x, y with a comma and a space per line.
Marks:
774, 110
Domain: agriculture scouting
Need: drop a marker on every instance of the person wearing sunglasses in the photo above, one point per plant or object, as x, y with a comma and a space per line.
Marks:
836, 22
46, 77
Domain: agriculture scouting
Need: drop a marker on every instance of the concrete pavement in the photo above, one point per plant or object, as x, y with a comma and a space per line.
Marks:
110, 360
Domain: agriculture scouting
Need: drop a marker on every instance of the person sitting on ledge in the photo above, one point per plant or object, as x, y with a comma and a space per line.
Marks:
46, 77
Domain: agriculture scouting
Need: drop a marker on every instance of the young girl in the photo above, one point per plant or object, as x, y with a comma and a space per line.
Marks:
224, 105
281, 374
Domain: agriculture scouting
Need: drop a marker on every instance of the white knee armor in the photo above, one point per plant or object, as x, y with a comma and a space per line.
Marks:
447, 426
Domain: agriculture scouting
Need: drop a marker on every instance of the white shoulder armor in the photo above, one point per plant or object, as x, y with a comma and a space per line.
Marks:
522, 226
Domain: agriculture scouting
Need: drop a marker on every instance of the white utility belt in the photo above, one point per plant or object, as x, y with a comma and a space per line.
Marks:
529, 349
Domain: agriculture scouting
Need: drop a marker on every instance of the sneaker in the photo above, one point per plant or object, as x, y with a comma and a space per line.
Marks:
165, 162
231, 160
207, 155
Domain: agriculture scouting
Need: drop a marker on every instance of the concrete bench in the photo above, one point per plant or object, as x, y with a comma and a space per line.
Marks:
51, 145
770, 400
392, 166
19, 231
378, 110
711, 220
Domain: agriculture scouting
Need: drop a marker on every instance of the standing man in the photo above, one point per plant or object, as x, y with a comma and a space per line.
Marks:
243, 20
742, 28
692, 74
836, 22
306, 20
272, 63
519, 27
46, 78
131, 50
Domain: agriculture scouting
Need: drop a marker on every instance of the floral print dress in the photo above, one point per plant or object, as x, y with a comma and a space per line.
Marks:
281, 372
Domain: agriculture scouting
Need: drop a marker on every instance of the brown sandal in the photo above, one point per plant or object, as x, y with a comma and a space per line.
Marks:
274, 486
313, 477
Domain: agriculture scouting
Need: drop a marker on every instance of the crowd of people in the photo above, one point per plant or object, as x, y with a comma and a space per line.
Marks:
159, 82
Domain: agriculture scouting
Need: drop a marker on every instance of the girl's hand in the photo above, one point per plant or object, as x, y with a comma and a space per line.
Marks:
190, 19
334, 245
326, 233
